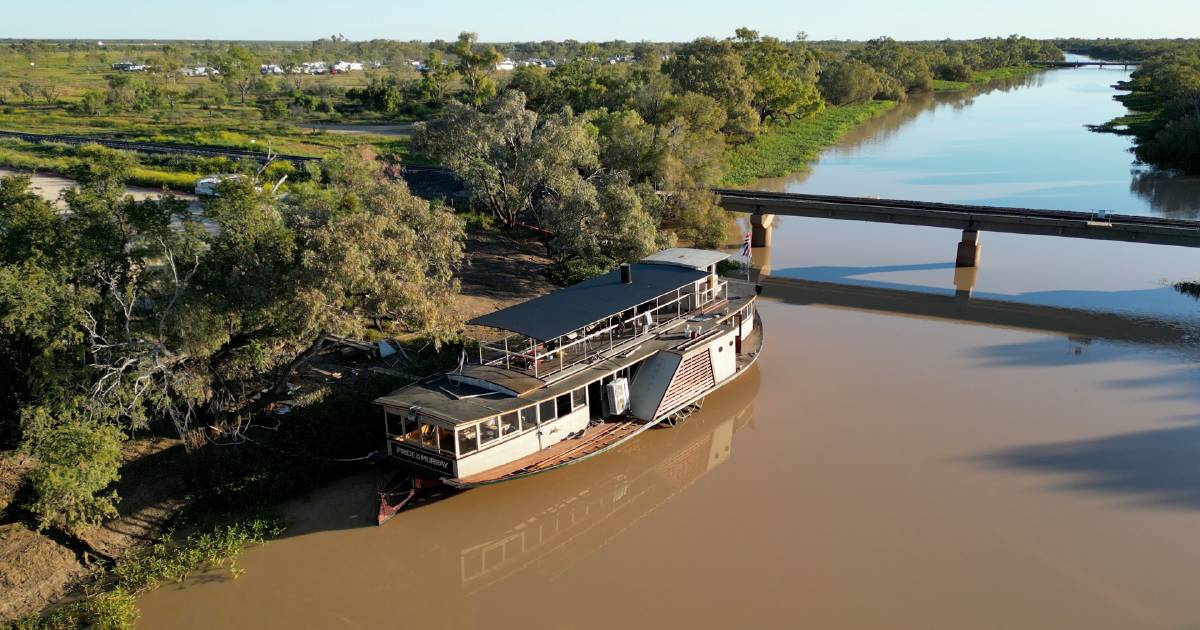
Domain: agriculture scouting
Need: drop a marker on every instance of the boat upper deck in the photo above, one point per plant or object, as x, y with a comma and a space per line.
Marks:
471, 395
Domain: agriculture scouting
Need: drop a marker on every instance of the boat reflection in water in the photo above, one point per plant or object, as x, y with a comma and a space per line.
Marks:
593, 504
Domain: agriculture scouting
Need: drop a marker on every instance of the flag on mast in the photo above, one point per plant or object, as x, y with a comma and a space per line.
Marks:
746, 246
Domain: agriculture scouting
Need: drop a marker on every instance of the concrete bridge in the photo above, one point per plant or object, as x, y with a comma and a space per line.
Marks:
970, 220
1080, 64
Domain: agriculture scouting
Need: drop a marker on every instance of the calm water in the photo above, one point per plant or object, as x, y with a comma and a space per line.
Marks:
1020, 143
897, 459
1023, 143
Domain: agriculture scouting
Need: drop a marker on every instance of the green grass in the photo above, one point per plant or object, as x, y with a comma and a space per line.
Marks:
151, 178
945, 85
232, 125
1143, 119
984, 76
790, 147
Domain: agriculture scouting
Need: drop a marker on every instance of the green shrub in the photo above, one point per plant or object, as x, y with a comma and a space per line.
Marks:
173, 560
77, 460
477, 220
185, 182
576, 270
105, 611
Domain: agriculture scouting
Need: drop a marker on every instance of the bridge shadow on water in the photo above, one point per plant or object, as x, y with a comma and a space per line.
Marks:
1157, 302
1158, 467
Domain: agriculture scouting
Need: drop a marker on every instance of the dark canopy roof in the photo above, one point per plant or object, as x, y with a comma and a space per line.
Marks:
590, 301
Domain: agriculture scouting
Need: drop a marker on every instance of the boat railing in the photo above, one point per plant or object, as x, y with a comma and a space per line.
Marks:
545, 359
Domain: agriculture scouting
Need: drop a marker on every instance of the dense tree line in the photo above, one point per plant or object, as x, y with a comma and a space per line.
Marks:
1167, 88
573, 148
121, 316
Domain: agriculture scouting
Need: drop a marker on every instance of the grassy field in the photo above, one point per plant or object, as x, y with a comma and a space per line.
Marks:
186, 121
74, 74
790, 147
984, 76
231, 127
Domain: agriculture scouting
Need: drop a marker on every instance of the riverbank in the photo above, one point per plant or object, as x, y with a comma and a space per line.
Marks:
980, 77
789, 147
1143, 118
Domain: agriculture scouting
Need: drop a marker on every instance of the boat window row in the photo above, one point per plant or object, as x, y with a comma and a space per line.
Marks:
426, 433
475, 436
421, 431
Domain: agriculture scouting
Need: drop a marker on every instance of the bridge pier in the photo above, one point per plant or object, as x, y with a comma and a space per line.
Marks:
964, 282
968, 249
760, 229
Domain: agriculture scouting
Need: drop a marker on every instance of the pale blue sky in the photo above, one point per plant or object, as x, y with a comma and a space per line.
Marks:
520, 20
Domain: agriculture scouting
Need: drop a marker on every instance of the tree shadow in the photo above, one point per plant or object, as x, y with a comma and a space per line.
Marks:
1159, 467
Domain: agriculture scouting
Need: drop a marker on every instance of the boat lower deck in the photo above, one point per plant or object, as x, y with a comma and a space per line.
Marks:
599, 437
594, 439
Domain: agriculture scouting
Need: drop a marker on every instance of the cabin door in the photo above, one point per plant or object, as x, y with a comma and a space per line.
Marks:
737, 339
595, 393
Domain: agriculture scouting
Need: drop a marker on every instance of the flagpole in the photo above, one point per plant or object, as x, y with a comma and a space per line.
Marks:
747, 250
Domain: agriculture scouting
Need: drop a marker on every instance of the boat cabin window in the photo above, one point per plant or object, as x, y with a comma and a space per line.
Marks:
395, 423
508, 423
429, 436
579, 398
564, 404
528, 418
468, 439
412, 430
546, 411
446, 440
489, 430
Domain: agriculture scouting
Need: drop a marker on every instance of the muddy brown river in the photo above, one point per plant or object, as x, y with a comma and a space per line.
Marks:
900, 457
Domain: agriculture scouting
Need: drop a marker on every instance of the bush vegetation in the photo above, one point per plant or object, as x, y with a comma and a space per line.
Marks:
790, 147
1164, 98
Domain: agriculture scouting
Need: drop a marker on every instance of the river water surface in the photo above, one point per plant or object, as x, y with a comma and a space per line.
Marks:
900, 457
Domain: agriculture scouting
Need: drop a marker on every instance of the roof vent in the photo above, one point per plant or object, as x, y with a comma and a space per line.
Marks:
626, 274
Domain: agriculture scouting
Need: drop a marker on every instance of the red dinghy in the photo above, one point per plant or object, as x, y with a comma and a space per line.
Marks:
394, 499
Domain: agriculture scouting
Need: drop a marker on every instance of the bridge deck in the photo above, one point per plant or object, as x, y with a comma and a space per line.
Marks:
1064, 223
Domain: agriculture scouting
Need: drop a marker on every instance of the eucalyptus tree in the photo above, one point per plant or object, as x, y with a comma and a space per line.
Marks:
476, 64
715, 69
122, 314
239, 68
784, 76
509, 157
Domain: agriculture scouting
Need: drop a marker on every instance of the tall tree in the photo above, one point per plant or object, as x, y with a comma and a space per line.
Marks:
509, 157
715, 69
785, 77
476, 64
239, 68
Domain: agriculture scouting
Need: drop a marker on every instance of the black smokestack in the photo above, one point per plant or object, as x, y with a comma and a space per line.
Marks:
626, 274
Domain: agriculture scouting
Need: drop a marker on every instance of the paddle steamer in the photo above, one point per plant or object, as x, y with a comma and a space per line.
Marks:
577, 372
